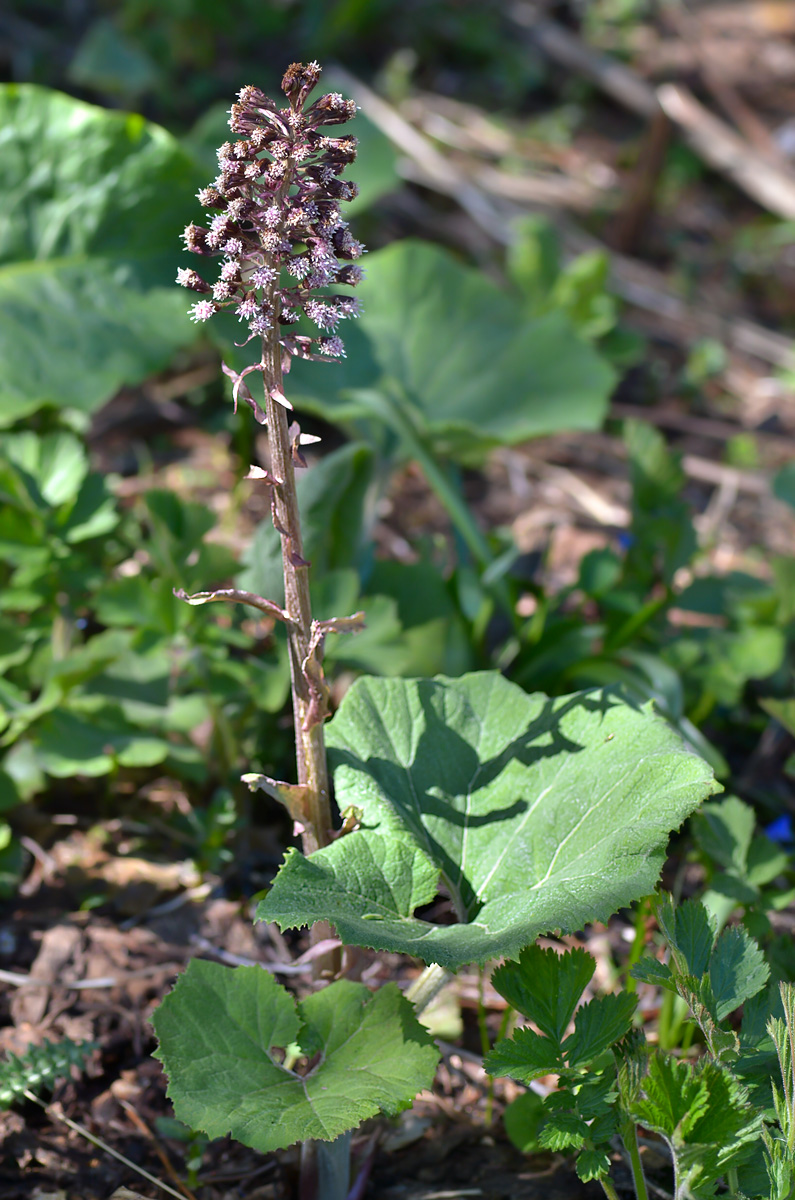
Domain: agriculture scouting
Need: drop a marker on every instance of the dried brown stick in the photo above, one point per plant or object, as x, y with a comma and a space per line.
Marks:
721, 148
640, 285
142, 1127
707, 427
716, 143
633, 217
690, 28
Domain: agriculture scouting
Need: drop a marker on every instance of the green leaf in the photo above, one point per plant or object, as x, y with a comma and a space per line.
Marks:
92, 514
784, 484
766, 860
695, 935
539, 814
782, 710
522, 1120
68, 744
81, 180
728, 1120
595, 1098
737, 970
675, 1097
546, 986
755, 651
458, 357
72, 332
524, 1057
592, 1164
649, 970
108, 62
724, 831
94, 202
12, 862
57, 462
218, 1030
433, 637
564, 1131
533, 259
703, 1113
9, 794
597, 1025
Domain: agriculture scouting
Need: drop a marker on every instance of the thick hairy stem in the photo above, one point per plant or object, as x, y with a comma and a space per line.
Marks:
629, 1135
309, 744
310, 748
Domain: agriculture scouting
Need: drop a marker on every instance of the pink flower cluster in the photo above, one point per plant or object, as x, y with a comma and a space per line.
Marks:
277, 222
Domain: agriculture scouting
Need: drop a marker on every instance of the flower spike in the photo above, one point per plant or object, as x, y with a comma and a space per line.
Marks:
276, 220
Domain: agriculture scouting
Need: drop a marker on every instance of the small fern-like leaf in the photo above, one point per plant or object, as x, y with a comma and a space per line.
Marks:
40, 1067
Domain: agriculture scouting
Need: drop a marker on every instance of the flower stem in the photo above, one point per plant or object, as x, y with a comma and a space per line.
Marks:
630, 1139
608, 1187
310, 747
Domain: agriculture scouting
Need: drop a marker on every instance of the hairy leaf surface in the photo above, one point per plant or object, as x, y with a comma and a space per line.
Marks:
535, 813
219, 1030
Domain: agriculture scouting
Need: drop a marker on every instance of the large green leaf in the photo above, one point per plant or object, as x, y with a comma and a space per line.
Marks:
57, 461
94, 202
72, 332
82, 180
68, 744
537, 814
457, 356
218, 1031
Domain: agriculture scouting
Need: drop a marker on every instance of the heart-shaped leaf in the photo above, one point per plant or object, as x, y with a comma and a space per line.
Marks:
219, 1028
536, 813
457, 354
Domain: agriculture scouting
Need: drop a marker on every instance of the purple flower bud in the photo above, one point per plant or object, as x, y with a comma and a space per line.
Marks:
196, 239
341, 150
298, 267
191, 279
247, 308
324, 315
202, 310
238, 208
332, 109
251, 97
350, 275
210, 197
259, 323
349, 306
263, 277
299, 80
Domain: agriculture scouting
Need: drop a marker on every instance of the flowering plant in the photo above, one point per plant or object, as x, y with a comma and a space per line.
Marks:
531, 814
283, 243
